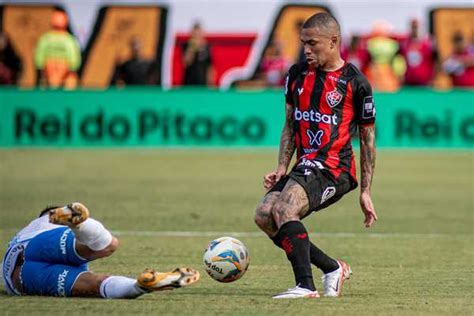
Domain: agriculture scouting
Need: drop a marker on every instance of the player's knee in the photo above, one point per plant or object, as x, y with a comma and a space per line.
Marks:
260, 221
113, 245
262, 216
279, 209
283, 212
110, 249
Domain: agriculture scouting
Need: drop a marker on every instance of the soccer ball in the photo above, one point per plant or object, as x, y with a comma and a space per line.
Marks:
226, 259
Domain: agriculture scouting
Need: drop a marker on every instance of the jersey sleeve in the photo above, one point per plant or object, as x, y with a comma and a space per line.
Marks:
363, 101
289, 84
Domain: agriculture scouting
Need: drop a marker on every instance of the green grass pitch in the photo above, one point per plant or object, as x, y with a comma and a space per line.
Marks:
417, 259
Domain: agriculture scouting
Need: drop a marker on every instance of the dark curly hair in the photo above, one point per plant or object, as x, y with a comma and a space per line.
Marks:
47, 209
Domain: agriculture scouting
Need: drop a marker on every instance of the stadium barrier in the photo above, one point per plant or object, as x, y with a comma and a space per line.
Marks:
148, 117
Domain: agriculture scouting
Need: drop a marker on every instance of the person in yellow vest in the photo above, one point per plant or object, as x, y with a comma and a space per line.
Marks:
57, 55
387, 66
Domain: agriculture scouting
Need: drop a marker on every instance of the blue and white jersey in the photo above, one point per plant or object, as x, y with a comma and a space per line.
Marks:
18, 244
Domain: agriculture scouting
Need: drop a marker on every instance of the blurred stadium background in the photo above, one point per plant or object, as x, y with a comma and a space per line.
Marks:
108, 119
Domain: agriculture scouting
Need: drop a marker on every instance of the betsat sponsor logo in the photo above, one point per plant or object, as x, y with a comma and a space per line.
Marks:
61, 282
315, 117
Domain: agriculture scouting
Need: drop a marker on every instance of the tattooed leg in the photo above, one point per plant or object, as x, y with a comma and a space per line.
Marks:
264, 220
263, 214
292, 204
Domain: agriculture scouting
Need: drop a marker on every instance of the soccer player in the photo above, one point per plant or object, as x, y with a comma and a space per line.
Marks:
326, 100
49, 257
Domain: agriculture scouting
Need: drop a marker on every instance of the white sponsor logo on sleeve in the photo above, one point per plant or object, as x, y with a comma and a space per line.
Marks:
368, 110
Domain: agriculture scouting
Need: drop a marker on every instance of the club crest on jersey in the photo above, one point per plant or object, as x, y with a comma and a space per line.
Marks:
333, 98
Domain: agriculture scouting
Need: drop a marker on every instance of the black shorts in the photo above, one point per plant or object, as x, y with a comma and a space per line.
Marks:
319, 183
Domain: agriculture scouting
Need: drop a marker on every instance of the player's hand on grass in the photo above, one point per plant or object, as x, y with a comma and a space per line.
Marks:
270, 179
368, 208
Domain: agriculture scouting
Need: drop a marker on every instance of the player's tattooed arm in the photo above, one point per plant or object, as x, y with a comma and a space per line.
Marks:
367, 165
367, 155
287, 140
287, 149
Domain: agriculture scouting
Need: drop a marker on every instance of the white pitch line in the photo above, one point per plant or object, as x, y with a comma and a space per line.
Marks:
259, 234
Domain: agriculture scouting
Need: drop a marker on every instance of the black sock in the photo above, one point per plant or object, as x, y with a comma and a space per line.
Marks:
276, 240
322, 260
294, 240
317, 257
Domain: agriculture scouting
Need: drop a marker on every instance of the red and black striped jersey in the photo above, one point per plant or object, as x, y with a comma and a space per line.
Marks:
327, 108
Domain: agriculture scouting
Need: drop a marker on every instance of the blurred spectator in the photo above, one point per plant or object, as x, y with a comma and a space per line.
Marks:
57, 55
356, 54
274, 66
460, 64
470, 48
386, 65
10, 63
136, 70
420, 56
198, 70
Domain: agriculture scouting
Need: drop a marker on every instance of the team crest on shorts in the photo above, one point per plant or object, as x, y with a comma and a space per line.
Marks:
333, 98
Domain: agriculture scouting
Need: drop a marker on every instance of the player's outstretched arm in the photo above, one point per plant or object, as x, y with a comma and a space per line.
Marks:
367, 166
287, 149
